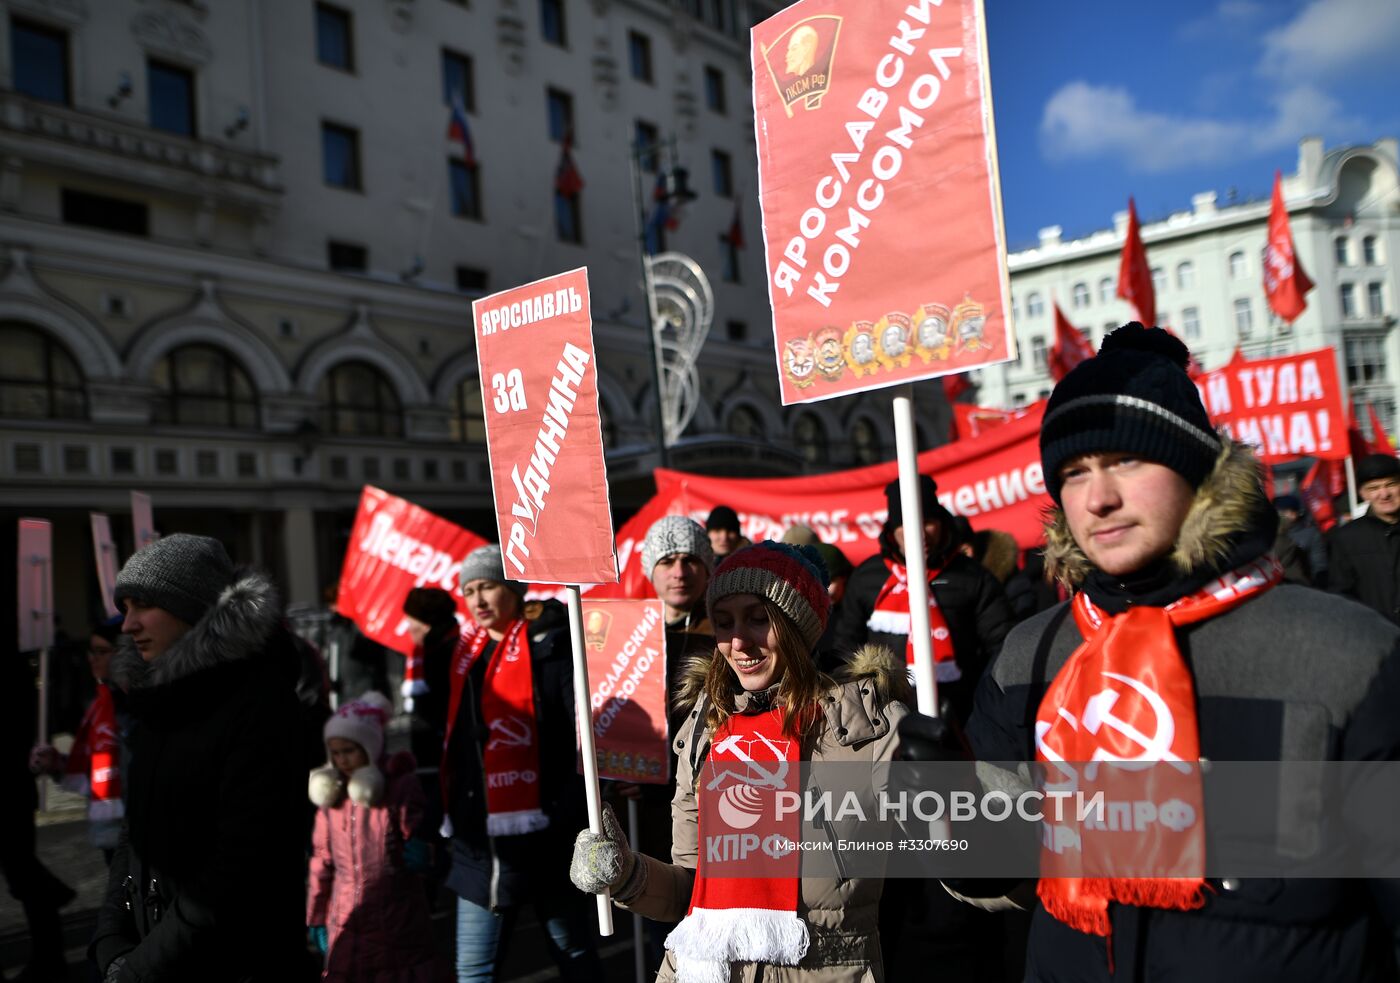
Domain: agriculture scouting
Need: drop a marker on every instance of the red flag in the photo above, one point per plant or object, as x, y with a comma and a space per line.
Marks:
1285, 283
567, 180
955, 385
1070, 347
1134, 276
1316, 492
1380, 440
735, 235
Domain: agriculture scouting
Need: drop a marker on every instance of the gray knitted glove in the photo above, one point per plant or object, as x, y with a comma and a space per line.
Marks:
604, 861
114, 971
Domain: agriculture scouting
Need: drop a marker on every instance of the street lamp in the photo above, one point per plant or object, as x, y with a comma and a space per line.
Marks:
672, 190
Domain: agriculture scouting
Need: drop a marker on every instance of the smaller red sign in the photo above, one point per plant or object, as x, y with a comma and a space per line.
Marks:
1285, 407
394, 547
625, 642
539, 385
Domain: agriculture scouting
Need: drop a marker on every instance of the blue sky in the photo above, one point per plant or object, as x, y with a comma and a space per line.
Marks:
1096, 100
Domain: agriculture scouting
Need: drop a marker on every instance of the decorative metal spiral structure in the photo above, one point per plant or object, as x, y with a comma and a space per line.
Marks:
684, 308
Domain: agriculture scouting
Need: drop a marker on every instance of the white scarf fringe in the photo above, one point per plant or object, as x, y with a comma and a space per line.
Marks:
515, 823
708, 940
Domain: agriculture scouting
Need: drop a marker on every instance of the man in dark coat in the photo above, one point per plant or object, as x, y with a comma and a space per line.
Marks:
1365, 553
208, 879
1163, 529
968, 598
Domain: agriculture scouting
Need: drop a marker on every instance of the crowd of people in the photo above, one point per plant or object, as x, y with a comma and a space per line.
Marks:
1163, 560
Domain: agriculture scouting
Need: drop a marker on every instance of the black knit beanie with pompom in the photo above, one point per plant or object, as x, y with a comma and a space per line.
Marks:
1134, 396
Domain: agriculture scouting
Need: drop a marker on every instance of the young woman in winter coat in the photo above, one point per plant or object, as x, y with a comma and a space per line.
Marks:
760, 689
366, 906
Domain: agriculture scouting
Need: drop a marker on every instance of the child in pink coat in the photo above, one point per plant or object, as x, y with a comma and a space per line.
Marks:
366, 907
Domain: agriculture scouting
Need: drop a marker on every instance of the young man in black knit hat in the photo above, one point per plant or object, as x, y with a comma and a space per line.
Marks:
1364, 555
1162, 529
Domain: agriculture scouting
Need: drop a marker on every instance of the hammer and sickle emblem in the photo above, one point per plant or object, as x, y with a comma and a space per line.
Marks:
1098, 713
777, 778
510, 732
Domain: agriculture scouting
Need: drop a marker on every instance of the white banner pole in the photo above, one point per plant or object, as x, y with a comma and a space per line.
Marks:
583, 707
907, 447
639, 955
1352, 495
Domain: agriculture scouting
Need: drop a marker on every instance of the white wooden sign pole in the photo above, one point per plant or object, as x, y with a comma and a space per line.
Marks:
907, 447
583, 709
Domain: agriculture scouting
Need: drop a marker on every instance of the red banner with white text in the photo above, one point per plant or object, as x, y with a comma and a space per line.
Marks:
625, 641
995, 480
1286, 407
394, 547
877, 171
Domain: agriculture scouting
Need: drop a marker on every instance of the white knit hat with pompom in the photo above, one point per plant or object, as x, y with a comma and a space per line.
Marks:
361, 720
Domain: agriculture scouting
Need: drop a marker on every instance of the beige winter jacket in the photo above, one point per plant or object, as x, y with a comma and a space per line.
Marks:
862, 711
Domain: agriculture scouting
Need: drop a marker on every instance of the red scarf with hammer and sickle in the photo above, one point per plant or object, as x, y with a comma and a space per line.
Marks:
891, 615
511, 758
1126, 695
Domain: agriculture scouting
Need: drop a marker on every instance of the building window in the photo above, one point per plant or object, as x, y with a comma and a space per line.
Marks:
1080, 294
810, 436
1191, 323
471, 279
865, 442
1341, 249
639, 55
104, 212
340, 156
1035, 307
1107, 289
1375, 300
1237, 267
206, 464
468, 420
246, 464
552, 21
39, 60
335, 43
457, 80
1185, 275
76, 459
369, 467
1370, 255
39, 379
647, 139
403, 469
715, 99
340, 468
465, 181
736, 330
347, 257
203, 386
171, 93
743, 422
430, 469
1244, 317
167, 461
1365, 356
560, 107
568, 217
1159, 281
1039, 354
358, 401
1347, 294
722, 168
123, 460
729, 257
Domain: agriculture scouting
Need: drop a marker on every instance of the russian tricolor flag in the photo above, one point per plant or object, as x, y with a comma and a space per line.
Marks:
458, 130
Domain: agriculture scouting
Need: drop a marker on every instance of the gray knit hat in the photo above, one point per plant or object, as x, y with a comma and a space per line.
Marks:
676, 534
486, 563
179, 573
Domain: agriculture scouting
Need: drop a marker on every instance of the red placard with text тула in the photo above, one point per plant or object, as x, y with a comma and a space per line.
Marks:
886, 256
539, 387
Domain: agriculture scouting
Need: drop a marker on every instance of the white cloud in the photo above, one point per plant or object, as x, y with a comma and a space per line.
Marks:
1083, 121
1329, 38
1230, 18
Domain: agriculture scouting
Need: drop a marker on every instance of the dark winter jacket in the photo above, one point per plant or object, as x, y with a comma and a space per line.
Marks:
500, 871
207, 881
972, 601
1364, 563
1292, 674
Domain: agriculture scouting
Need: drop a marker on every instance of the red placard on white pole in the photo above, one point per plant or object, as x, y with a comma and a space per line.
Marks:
35, 584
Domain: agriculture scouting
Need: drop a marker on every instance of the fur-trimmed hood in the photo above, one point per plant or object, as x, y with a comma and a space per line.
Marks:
1224, 507
236, 628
